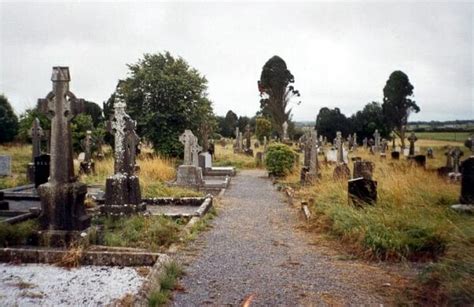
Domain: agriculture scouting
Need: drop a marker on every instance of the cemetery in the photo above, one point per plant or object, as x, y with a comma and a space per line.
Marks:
155, 197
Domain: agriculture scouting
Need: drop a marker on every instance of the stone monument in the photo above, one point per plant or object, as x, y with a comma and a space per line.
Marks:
88, 165
62, 197
36, 134
412, 139
122, 190
189, 173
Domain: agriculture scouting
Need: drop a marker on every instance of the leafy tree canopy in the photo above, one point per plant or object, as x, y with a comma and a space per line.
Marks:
370, 118
166, 96
8, 121
329, 121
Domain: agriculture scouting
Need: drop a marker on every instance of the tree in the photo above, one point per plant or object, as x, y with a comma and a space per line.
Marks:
328, 122
8, 121
396, 104
370, 118
229, 124
165, 96
263, 127
276, 92
94, 110
26, 121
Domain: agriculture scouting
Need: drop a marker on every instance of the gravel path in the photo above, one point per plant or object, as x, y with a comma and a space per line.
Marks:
256, 250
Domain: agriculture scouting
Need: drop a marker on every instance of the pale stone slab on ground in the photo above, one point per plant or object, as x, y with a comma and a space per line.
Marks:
46, 285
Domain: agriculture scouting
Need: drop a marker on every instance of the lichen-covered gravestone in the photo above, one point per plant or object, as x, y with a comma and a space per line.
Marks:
62, 197
376, 147
87, 166
285, 131
36, 133
189, 173
341, 171
412, 139
122, 190
5, 165
363, 169
467, 187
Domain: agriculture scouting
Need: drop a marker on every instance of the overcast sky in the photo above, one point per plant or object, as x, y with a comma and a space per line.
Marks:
341, 54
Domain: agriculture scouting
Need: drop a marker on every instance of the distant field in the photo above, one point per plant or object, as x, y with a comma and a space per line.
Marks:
443, 136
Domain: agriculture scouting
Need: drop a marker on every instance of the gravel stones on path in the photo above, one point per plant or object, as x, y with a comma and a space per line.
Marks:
47, 285
256, 250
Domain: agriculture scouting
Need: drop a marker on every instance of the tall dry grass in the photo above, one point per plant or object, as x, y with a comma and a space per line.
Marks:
412, 220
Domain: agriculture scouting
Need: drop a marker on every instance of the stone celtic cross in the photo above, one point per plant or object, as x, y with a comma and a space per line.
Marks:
123, 128
195, 150
313, 161
339, 143
376, 140
187, 139
36, 133
88, 146
412, 140
61, 106
456, 154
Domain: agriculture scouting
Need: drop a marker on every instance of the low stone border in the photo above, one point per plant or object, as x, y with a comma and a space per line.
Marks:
204, 204
113, 257
152, 281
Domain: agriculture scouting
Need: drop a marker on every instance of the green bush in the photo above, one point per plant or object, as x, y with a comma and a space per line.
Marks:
280, 159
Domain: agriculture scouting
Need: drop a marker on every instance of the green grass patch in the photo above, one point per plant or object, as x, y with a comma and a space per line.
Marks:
168, 280
444, 136
202, 224
151, 232
160, 189
20, 156
18, 234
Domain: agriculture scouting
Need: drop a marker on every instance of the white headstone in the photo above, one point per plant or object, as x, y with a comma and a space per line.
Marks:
331, 155
5, 165
81, 157
406, 152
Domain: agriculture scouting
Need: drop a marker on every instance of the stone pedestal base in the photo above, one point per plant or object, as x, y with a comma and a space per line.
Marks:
62, 206
189, 176
122, 195
59, 238
30, 172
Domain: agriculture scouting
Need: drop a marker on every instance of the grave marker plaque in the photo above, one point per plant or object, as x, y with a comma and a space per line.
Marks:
42, 165
5, 165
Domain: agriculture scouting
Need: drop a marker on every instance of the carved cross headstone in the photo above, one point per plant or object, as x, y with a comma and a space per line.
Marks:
36, 133
123, 128
285, 131
313, 162
205, 130
376, 140
412, 140
241, 141
248, 141
306, 142
339, 143
456, 154
187, 139
88, 146
62, 197
449, 158
195, 150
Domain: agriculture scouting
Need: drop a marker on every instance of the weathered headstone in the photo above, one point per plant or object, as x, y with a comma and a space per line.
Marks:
205, 130
314, 163
248, 142
5, 165
41, 165
395, 155
429, 153
412, 139
87, 166
189, 173
339, 148
364, 143
467, 187
420, 160
285, 132
363, 169
237, 143
36, 134
122, 190
362, 191
341, 171
470, 143
376, 147
354, 140
62, 197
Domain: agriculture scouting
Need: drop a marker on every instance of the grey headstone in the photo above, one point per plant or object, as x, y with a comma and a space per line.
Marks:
5, 165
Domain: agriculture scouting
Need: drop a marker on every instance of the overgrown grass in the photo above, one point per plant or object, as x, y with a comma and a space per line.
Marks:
444, 136
412, 220
20, 156
150, 232
17, 234
202, 224
225, 156
167, 283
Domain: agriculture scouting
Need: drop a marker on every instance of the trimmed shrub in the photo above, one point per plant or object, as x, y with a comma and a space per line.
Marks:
280, 159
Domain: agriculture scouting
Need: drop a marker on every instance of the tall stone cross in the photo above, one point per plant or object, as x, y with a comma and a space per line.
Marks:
354, 140
187, 139
61, 106
241, 141
306, 140
339, 143
123, 128
87, 146
456, 154
412, 140
62, 197
364, 143
248, 141
205, 130
313, 161
195, 150
449, 158
376, 140
284, 126
36, 133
